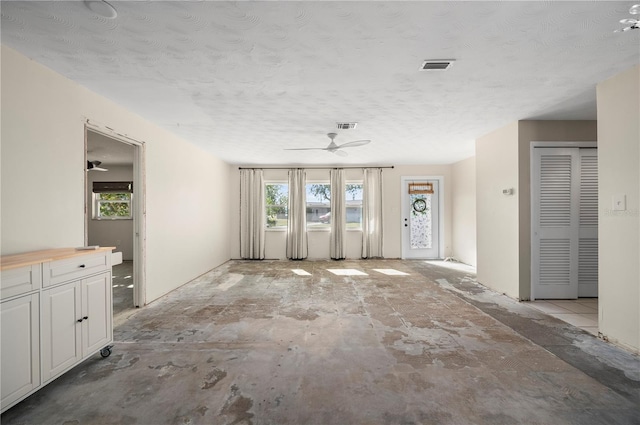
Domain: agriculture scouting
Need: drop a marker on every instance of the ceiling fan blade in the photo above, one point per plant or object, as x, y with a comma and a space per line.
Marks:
354, 143
340, 153
305, 149
94, 166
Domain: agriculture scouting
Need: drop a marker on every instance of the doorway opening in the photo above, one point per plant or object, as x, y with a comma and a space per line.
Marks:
422, 227
114, 211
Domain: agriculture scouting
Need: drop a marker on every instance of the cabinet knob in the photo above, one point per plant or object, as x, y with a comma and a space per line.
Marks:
82, 266
80, 320
85, 317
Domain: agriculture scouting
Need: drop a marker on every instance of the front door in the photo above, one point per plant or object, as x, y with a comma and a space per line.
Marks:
420, 224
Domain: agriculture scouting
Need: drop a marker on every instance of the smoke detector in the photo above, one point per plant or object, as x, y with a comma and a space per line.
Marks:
437, 64
346, 125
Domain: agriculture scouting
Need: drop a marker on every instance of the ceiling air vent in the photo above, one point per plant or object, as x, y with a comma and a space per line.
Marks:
437, 64
346, 125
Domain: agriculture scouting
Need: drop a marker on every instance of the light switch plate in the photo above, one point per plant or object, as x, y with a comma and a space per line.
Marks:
619, 202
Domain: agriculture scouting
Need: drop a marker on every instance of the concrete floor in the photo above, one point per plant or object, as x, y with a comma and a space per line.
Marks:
255, 343
122, 281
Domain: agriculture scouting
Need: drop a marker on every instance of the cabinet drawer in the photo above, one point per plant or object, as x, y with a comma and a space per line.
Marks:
74, 268
20, 281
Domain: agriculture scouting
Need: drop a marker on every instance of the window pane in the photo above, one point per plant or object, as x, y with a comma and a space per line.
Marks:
353, 196
318, 206
276, 202
114, 209
112, 205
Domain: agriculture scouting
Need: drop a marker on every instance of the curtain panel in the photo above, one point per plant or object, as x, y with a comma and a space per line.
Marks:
372, 206
297, 246
338, 238
252, 215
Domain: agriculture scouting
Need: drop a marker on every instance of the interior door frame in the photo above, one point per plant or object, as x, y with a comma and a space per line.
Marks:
404, 180
139, 206
532, 175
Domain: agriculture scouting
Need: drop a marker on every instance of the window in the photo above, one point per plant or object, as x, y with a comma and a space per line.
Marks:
353, 197
112, 200
112, 206
318, 206
276, 203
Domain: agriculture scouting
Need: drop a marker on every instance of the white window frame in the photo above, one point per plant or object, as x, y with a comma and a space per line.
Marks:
97, 202
323, 228
277, 228
361, 183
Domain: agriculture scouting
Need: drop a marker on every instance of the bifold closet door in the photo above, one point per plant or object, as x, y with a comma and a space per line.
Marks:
564, 223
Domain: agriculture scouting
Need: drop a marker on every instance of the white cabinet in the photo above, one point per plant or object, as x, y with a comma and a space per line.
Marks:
77, 322
56, 311
20, 349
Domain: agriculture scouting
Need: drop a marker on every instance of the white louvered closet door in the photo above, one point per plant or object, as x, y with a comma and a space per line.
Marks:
588, 242
564, 223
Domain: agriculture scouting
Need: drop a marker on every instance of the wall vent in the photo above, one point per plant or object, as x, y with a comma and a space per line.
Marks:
437, 64
346, 125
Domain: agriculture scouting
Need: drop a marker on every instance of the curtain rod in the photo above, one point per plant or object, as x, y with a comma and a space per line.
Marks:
311, 168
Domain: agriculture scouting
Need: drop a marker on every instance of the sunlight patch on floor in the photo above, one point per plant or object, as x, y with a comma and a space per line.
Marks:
391, 272
347, 272
301, 272
453, 265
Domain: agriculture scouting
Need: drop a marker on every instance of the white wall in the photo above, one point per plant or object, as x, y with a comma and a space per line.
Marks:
497, 214
319, 240
504, 222
43, 172
463, 213
118, 233
619, 231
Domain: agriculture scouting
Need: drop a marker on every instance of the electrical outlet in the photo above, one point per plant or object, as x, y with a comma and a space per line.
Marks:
118, 242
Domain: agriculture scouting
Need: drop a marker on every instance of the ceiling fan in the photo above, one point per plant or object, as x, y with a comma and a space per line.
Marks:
633, 24
333, 147
95, 166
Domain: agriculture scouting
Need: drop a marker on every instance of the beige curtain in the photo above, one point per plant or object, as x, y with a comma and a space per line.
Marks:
372, 205
338, 239
297, 247
252, 215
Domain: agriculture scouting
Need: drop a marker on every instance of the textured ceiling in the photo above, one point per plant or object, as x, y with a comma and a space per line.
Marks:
245, 80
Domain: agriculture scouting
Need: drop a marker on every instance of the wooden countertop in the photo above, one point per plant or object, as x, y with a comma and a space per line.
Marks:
34, 257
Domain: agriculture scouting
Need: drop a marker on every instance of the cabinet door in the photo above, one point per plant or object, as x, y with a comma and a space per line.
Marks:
97, 308
61, 331
20, 349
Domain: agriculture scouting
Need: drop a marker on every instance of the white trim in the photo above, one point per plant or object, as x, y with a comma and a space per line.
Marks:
559, 144
139, 206
440, 179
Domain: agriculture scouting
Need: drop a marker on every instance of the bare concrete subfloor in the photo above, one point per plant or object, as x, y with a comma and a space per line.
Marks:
254, 343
